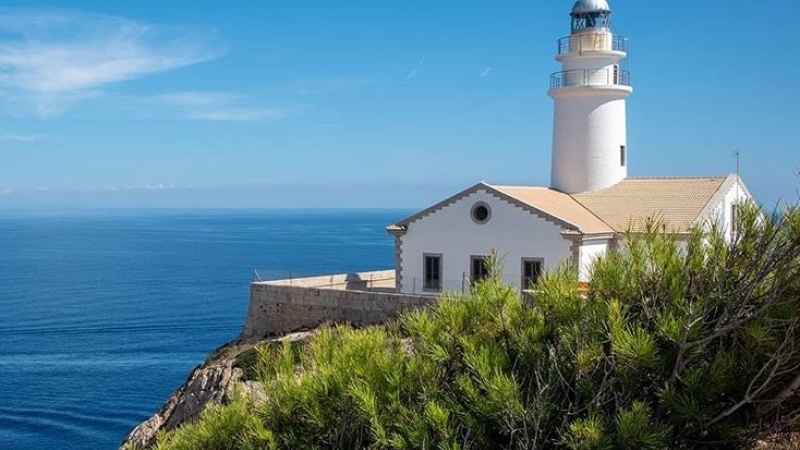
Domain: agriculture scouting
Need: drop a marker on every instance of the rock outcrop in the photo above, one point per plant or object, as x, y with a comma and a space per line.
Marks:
211, 382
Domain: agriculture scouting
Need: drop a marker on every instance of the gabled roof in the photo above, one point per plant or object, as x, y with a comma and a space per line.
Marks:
681, 202
547, 203
559, 205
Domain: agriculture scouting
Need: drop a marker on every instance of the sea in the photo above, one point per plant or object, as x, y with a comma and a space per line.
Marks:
104, 313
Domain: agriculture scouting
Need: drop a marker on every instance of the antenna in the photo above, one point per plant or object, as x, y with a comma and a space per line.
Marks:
735, 204
738, 156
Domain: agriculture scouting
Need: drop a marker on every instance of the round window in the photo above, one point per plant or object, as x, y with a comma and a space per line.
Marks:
481, 213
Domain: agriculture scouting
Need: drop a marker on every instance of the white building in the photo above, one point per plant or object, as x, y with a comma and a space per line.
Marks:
590, 201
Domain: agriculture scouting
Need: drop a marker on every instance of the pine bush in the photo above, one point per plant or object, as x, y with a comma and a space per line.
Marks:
681, 342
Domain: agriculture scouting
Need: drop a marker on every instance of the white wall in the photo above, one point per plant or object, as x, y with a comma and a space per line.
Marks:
588, 252
588, 130
592, 63
721, 214
451, 232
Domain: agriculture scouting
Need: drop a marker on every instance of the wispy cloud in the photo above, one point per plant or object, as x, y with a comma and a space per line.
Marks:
218, 106
51, 59
127, 188
486, 71
417, 70
16, 137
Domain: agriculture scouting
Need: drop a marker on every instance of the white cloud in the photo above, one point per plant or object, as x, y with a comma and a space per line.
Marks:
486, 71
16, 137
51, 59
158, 187
218, 106
415, 72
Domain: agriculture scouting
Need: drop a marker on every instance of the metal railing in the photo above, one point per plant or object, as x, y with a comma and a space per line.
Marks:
377, 281
463, 285
421, 286
261, 275
590, 77
578, 43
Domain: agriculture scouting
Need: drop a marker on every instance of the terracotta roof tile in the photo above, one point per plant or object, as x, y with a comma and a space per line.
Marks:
680, 202
558, 205
627, 205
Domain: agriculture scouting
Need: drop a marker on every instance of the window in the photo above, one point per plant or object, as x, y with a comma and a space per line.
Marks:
480, 268
623, 155
481, 213
432, 272
734, 220
531, 271
615, 77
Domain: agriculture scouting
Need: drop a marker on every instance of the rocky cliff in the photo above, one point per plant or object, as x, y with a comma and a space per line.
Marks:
212, 382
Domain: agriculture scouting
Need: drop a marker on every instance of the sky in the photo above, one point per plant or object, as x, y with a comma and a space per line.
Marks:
314, 103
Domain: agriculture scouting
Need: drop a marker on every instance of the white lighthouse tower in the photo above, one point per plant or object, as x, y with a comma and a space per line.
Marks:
589, 130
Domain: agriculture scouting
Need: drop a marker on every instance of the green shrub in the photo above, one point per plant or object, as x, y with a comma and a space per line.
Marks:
687, 345
231, 427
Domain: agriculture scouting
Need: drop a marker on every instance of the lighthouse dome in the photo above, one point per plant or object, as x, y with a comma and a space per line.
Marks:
590, 6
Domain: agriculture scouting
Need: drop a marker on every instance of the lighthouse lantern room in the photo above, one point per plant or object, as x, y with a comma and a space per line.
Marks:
590, 150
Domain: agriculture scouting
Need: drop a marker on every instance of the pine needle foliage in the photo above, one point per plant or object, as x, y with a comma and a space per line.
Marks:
687, 342
231, 427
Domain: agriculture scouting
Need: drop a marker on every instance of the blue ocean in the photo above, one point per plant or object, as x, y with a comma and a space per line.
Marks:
103, 314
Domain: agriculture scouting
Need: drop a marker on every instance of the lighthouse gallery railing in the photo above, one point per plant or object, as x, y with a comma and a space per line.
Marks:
583, 42
590, 77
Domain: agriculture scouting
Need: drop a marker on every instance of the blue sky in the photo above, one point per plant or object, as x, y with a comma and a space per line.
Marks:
315, 103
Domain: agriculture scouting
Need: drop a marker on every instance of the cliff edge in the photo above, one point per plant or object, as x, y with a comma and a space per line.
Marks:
211, 382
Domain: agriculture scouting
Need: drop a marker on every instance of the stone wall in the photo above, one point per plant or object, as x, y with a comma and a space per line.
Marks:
287, 306
366, 281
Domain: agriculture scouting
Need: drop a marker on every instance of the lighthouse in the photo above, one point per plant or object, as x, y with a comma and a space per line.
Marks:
590, 206
590, 149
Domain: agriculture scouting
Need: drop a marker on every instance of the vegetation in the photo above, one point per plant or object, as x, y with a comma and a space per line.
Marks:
676, 345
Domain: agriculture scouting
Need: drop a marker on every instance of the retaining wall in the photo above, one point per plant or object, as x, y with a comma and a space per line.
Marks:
287, 306
365, 281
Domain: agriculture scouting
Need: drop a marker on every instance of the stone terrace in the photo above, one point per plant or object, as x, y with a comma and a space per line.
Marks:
361, 299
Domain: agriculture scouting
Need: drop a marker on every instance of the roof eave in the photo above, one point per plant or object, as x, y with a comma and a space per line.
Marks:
565, 224
719, 196
578, 235
442, 204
